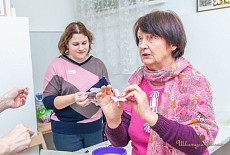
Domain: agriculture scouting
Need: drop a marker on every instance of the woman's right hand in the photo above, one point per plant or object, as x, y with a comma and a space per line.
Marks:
112, 110
17, 140
81, 98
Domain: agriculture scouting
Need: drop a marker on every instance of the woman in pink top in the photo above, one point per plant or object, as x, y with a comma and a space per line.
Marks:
167, 107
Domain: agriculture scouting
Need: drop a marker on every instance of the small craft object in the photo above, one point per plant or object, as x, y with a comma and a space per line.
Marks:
121, 99
92, 95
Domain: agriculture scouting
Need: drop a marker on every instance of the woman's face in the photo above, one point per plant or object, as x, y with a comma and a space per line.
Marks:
154, 51
78, 47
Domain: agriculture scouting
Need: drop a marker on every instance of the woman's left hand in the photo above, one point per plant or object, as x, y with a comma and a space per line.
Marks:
16, 97
140, 104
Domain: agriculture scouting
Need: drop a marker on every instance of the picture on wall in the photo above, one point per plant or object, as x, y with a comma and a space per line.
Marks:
2, 8
207, 5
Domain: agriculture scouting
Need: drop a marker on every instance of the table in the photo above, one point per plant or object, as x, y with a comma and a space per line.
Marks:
54, 152
223, 137
103, 144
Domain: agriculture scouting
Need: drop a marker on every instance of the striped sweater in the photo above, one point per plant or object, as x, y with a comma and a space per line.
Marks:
65, 76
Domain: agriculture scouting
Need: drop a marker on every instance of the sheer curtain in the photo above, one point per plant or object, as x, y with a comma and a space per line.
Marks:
111, 22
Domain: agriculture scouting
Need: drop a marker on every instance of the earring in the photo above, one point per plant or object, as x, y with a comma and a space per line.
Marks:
67, 51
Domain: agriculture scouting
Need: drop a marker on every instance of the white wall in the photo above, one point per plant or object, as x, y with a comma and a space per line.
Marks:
16, 71
44, 47
51, 15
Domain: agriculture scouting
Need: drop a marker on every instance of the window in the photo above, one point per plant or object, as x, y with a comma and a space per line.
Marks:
102, 5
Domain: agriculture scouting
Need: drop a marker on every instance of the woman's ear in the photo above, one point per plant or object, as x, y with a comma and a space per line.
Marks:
173, 47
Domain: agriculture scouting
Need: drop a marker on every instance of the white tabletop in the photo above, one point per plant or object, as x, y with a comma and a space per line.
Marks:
222, 138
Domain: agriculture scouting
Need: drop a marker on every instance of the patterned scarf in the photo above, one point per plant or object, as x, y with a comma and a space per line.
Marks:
187, 99
163, 75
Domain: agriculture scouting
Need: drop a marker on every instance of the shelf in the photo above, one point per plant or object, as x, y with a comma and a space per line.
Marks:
44, 127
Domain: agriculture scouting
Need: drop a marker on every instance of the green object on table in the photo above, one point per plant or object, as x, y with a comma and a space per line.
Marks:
43, 114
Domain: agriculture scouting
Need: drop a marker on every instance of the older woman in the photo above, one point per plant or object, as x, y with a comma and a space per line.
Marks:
76, 120
168, 107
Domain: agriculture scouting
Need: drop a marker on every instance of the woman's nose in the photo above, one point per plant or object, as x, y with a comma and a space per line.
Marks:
80, 46
143, 44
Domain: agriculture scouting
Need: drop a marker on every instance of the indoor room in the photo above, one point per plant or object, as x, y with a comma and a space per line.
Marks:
30, 32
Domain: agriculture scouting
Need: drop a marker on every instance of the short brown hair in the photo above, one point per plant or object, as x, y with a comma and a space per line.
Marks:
164, 24
71, 29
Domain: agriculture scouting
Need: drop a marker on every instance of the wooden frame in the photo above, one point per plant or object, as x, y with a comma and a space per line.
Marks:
2, 8
37, 140
207, 5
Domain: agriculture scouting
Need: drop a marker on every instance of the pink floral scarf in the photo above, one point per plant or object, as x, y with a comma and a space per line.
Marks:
187, 99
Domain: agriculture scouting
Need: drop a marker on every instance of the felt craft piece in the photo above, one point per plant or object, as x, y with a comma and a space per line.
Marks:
115, 99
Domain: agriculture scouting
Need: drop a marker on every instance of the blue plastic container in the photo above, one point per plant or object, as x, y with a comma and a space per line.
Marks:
109, 151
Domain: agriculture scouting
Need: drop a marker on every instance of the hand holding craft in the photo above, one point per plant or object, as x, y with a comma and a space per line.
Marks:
110, 108
81, 99
140, 104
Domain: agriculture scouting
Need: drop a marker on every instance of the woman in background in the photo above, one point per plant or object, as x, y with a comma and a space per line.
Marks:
76, 121
169, 103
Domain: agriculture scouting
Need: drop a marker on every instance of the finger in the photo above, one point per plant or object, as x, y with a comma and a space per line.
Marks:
26, 90
23, 98
85, 103
21, 89
132, 94
31, 132
120, 105
81, 93
22, 95
132, 88
27, 135
82, 98
103, 89
22, 102
108, 90
116, 93
99, 95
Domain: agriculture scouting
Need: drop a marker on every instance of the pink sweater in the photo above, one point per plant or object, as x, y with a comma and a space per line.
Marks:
139, 130
135, 129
